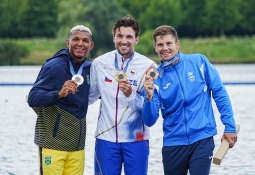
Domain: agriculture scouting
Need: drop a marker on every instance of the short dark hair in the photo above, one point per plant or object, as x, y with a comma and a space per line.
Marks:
164, 30
127, 21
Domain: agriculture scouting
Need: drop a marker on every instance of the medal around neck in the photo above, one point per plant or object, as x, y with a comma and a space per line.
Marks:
78, 78
153, 73
120, 76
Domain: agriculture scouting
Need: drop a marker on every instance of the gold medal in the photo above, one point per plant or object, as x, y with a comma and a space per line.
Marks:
120, 76
153, 73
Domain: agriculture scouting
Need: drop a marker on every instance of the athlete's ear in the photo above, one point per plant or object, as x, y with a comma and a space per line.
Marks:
92, 46
67, 43
113, 40
136, 40
178, 43
154, 45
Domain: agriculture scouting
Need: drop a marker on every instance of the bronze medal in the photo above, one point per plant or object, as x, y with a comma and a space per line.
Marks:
153, 73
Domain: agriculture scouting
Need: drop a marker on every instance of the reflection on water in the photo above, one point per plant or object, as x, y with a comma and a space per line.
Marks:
18, 153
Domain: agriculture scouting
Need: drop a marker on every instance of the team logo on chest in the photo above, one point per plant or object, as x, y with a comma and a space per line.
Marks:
47, 160
191, 76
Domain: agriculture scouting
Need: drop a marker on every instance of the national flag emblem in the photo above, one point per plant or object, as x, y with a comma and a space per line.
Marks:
133, 72
47, 160
107, 80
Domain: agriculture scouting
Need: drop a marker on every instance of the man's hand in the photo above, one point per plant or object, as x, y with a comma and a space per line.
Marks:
230, 137
125, 87
149, 87
69, 86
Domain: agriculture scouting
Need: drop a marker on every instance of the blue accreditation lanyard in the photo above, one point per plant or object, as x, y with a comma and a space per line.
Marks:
116, 63
167, 63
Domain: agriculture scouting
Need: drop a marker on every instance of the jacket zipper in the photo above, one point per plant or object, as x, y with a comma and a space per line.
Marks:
184, 100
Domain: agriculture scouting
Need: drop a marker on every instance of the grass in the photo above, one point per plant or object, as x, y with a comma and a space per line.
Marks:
222, 50
40, 49
234, 50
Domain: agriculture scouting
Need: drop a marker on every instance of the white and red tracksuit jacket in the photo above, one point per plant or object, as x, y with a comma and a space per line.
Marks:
119, 117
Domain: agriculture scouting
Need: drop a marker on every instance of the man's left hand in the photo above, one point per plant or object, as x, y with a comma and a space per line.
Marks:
230, 137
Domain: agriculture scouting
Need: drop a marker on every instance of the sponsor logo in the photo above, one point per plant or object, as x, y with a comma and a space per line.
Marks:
39, 82
105, 67
166, 86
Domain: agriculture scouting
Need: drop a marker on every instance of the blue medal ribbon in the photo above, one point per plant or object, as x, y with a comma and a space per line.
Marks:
116, 63
72, 69
167, 63
78, 77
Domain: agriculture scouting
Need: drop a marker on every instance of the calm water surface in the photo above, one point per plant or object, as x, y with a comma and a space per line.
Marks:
18, 153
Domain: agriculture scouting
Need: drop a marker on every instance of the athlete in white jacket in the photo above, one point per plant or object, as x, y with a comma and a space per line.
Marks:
121, 135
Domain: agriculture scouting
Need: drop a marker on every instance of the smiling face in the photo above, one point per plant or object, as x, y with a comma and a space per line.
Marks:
79, 44
166, 46
125, 41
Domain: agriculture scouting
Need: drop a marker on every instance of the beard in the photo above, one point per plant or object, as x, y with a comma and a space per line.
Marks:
125, 52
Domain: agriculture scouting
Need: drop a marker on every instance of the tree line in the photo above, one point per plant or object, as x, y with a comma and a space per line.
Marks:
191, 18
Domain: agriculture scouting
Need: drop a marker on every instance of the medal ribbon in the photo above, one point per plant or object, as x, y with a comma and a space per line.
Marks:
116, 63
167, 63
80, 69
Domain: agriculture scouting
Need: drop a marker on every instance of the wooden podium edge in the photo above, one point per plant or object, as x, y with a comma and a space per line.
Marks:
223, 149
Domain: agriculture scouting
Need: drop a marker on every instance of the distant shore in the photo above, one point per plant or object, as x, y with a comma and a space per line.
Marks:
224, 50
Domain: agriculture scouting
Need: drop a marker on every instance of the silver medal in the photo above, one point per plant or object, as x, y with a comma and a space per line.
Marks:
78, 78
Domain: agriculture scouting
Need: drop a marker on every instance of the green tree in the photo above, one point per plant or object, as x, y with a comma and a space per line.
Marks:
222, 16
39, 19
10, 12
28, 18
145, 44
161, 12
68, 16
98, 15
193, 14
248, 12
10, 53
134, 7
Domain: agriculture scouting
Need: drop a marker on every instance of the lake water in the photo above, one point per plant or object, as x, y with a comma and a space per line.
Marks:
18, 153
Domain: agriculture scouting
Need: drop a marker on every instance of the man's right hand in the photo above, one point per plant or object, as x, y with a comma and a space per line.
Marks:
70, 86
149, 87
